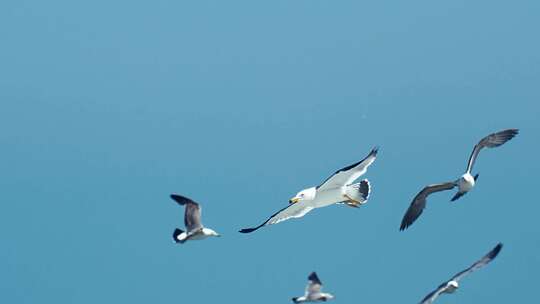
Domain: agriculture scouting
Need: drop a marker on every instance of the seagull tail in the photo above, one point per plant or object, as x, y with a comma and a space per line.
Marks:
177, 232
358, 193
364, 188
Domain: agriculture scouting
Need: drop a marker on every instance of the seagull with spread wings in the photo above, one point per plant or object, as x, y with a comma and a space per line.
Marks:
451, 285
313, 291
338, 188
192, 220
465, 183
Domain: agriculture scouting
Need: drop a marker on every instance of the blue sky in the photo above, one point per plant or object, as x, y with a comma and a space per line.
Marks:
107, 107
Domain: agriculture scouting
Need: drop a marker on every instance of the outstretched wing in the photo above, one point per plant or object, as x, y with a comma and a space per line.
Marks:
491, 141
192, 215
314, 285
419, 203
480, 263
434, 294
350, 173
292, 211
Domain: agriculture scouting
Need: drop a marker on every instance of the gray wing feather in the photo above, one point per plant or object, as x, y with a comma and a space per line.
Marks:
350, 173
480, 263
434, 294
192, 215
491, 141
292, 211
419, 203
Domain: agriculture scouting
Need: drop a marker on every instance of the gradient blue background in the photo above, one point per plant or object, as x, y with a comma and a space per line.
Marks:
107, 107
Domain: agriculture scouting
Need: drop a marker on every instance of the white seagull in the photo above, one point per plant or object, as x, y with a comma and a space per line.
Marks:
192, 220
451, 285
313, 291
338, 188
465, 183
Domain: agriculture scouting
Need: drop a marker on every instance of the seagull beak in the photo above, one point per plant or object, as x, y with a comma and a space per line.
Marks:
293, 200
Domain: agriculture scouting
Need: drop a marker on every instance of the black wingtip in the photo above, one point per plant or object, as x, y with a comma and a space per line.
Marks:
407, 221
247, 230
374, 151
179, 198
295, 299
404, 226
513, 132
510, 133
493, 254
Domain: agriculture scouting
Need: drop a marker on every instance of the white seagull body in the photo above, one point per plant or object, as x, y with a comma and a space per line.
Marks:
313, 291
192, 221
465, 183
338, 188
452, 285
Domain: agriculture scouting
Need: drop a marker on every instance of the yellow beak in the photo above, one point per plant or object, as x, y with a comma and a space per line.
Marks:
293, 200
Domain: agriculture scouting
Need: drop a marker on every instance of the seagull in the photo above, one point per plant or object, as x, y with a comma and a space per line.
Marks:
313, 291
192, 220
465, 183
451, 285
336, 189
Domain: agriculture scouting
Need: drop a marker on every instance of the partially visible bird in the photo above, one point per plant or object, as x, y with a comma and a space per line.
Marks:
313, 291
465, 183
192, 221
451, 285
336, 189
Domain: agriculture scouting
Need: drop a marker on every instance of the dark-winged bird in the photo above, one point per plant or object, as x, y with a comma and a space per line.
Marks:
465, 183
192, 220
451, 285
313, 291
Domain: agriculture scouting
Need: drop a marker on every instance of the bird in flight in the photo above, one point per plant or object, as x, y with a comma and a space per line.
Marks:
465, 183
452, 285
192, 221
338, 188
313, 291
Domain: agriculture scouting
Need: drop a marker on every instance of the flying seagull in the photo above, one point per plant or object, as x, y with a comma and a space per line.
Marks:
465, 183
313, 291
192, 220
451, 285
338, 188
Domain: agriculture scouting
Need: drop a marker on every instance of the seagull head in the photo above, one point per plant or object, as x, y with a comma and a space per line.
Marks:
304, 195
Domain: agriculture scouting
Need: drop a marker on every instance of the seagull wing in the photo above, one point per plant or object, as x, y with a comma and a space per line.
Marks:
314, 285
434, 294
419, 203
348, 174
292, 211
491, 141
192, 215
480, 263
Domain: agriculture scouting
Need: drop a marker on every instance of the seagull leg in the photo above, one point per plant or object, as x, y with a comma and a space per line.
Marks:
351, 202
